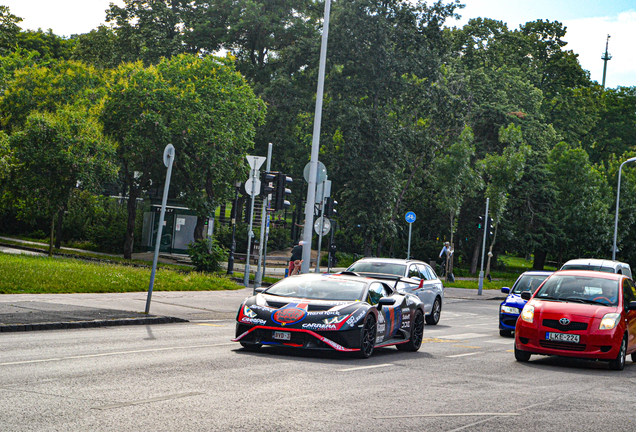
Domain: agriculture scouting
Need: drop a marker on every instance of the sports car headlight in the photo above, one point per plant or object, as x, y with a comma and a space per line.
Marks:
335, 319
510, 310
609, 321
527, 314
248, 312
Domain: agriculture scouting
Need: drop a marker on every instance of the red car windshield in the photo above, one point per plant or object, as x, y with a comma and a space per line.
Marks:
580, 289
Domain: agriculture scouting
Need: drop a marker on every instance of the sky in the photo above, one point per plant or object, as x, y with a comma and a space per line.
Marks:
588, 24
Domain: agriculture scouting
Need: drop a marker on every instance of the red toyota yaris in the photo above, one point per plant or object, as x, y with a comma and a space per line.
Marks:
582, 314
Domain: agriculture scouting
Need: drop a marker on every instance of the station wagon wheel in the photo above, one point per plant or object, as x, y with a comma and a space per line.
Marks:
619, 362
417, 334
436, 311
367, 337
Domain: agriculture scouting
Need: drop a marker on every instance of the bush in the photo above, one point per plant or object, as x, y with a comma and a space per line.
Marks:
206, 255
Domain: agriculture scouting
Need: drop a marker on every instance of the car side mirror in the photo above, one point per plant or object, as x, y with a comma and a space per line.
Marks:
505, 290
385, 301
526, 295
632, 305
259, 290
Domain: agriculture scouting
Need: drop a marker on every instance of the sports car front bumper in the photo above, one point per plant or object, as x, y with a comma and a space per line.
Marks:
345, 341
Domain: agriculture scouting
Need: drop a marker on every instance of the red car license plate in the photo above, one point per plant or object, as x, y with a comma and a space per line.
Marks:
282, 335
562, 337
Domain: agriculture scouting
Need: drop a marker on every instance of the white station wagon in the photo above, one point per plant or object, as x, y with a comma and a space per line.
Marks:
417, 278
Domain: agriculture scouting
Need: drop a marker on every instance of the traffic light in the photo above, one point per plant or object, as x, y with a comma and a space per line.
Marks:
280, 202
489, 227
268, 180
330, 210
480, 223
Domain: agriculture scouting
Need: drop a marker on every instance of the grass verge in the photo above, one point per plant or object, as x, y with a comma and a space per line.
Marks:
24, 274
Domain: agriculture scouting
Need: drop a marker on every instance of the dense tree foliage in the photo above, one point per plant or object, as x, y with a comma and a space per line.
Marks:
417, 116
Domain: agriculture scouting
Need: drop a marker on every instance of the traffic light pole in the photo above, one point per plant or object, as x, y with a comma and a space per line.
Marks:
258, 279
250, 233
322, 222
483, 251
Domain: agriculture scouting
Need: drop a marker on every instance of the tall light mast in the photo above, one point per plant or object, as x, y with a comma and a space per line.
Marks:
605, 57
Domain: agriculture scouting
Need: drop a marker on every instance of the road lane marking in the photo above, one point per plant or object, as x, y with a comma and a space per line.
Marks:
450, 415
466, 335
464, 355
501, 341
436, 340
143, 401
365, 367
114, 353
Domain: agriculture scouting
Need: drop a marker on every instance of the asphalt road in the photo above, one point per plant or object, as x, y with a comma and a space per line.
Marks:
190, 377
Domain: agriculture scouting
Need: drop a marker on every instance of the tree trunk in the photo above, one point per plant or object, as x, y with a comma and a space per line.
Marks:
131, 205
58, 234
51, 235
199, 228
539, 259
367, 246
475, 260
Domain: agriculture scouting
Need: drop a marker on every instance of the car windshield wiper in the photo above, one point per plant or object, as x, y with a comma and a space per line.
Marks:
582, 300
540, 297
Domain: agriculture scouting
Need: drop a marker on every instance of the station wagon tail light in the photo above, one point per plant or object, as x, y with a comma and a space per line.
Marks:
527, 314
609, 321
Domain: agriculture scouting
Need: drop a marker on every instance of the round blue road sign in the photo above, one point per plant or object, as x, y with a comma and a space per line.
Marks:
410, 217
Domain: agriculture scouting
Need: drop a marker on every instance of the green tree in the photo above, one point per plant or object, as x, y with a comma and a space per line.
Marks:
200, 105
9, 30
583, 204
47, 88
502, 172
55, 154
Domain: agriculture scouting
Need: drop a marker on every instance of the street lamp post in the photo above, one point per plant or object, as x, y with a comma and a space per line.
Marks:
618, 194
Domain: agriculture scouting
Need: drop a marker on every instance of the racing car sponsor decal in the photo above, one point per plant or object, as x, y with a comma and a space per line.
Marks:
327, 313
256, 321
379, 338
381, 328
405, 316
318, 326
393, 317
406, 324
291, 314
354, 319
262, 308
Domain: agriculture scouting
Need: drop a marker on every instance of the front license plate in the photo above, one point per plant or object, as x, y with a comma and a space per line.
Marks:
282, 335
562, 337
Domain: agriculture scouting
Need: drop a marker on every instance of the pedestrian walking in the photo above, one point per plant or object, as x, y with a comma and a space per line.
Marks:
296, 258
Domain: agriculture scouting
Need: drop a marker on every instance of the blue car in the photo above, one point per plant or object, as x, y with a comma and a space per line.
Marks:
511, 307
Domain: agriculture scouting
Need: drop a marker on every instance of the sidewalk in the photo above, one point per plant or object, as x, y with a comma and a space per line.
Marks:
25, 312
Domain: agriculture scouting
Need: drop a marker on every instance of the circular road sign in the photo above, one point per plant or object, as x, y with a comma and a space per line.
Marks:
322, 172
325, 227
257, 187
410, 217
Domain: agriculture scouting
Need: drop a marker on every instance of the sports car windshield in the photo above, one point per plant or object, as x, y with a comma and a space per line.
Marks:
319, 289
378, 268
528, 283
580, 289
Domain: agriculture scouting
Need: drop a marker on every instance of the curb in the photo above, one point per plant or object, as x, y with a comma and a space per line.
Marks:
6, 328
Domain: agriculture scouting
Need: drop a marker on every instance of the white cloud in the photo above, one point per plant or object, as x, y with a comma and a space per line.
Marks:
586, 37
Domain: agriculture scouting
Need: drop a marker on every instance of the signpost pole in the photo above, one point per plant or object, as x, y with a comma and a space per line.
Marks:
410, 218
483, 250
408, 252
255, 163
258, 279
168, 159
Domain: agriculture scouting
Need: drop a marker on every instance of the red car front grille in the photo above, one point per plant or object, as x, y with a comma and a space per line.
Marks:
565, 346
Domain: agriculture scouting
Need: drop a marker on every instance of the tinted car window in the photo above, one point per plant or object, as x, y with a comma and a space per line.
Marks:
319, 289
376, 292
528, 283
424, 271
414, 272
587, 267
378, 267
629, 294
